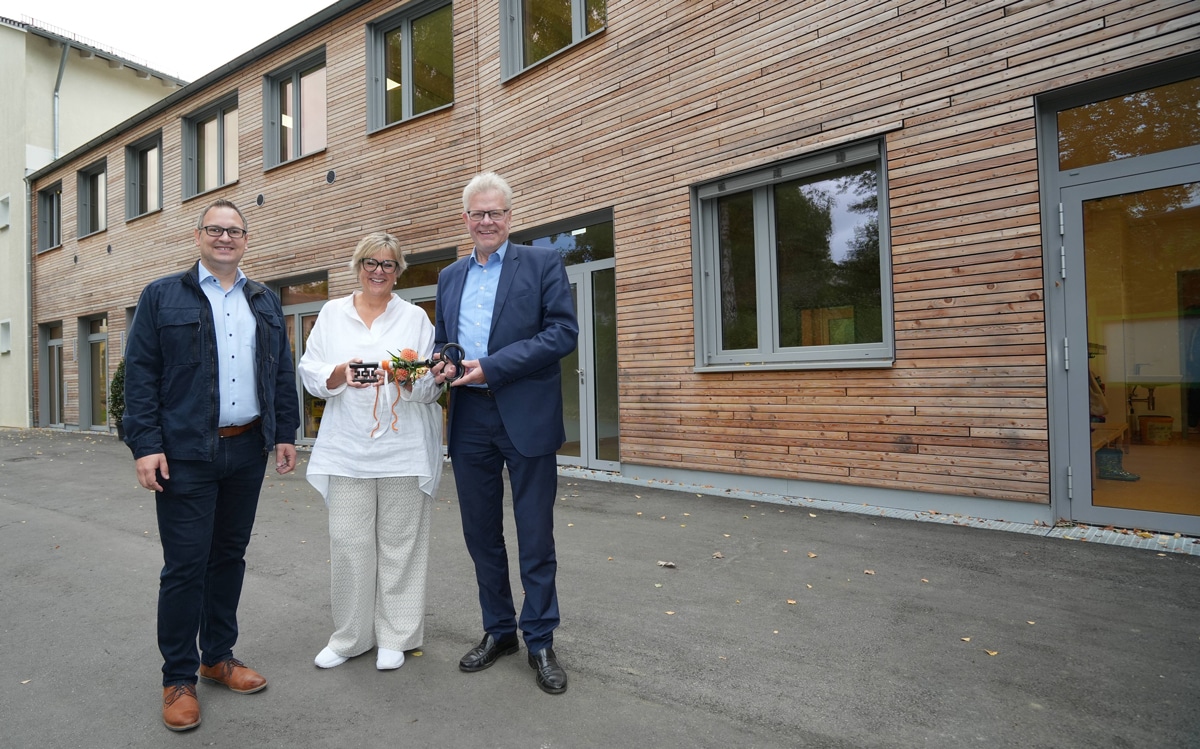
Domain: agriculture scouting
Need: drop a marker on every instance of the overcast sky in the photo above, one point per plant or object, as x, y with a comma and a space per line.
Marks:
182, 39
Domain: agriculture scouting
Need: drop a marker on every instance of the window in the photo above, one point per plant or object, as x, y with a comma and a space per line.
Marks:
793, 262
536, 29
93, 199
143, 174
295, 99
5, 336
50, 217
411, 58
5, 208
210, 146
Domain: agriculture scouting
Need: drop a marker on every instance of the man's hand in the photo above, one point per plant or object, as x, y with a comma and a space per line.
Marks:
148, 468
285, 458
472, 374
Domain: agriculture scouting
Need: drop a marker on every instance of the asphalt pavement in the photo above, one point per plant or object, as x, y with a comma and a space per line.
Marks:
689, 620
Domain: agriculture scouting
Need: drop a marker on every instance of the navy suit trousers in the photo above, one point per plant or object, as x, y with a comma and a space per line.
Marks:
479, 450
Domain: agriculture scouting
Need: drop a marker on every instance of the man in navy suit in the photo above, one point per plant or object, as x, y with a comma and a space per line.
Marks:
510, 307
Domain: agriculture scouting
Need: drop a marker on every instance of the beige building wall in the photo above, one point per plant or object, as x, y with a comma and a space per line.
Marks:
671, 96
97, 92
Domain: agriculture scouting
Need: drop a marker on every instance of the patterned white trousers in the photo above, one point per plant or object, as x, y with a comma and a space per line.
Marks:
379, 557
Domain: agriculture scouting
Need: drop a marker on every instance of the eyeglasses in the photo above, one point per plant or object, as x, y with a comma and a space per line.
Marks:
370, 264
234, 232
493, 215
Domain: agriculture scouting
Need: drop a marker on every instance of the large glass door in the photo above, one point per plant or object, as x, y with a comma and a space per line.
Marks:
1134, 241
302, 303
589, 374
56, 393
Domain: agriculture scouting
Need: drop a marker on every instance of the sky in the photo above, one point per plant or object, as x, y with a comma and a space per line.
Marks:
181, 39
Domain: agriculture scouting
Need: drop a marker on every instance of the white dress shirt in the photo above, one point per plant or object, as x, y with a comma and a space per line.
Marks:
345, 445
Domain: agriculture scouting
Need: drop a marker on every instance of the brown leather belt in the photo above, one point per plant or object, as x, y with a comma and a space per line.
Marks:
235, 431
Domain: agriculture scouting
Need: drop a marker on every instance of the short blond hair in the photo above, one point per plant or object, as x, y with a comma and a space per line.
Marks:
372, 243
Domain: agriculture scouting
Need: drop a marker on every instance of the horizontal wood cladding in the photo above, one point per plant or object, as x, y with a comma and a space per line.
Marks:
672, 94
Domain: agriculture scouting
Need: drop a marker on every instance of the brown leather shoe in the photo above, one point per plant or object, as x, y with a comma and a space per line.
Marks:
236, 675
181, 709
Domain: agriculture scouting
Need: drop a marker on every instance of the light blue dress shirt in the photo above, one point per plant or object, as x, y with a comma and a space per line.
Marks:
234, 326
478, 302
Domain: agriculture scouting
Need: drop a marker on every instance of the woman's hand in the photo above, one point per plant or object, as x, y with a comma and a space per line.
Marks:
344, 374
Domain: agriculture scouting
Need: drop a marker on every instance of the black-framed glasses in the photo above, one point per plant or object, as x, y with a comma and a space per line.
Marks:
370, 264
493, 215
234, 232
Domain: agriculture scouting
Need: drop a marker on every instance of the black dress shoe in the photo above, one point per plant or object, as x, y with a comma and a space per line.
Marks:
550, 676
487, 651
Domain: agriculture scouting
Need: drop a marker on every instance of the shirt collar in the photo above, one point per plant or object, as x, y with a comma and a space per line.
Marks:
474, 259
206, 274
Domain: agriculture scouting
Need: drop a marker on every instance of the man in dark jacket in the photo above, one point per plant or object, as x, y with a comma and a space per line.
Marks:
209, 392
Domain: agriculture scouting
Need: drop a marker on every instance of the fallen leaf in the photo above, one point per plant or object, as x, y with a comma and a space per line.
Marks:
791, 601
665, 564
1031, 622
658, 585
924, 579
868, 572
812, 514
417, 653
965, 639
610, 559
670, 613
718, 555
812, 555
808, 585
570, 525
27, 681
991, 652
726, 535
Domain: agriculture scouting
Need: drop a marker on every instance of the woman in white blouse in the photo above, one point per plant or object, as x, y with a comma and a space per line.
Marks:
377, 460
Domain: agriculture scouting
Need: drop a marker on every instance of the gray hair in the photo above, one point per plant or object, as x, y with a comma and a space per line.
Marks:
486, 182
222, 203
372, 243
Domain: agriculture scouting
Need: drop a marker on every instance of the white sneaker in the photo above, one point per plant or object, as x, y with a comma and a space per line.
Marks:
328, 659
389, 660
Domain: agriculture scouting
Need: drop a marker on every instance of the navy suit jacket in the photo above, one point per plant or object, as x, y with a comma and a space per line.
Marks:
533, 327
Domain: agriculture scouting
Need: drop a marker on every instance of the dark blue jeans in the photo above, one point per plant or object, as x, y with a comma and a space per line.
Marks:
205, 516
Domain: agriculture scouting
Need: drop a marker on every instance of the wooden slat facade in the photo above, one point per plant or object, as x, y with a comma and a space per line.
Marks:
672, 94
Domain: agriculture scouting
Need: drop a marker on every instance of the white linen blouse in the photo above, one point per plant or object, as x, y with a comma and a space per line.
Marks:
345, 445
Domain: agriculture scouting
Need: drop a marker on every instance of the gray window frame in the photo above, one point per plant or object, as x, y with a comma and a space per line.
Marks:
134, 178
706, 269
271, 109
49, 221
376, 68
86, 196
191, 169
512, 39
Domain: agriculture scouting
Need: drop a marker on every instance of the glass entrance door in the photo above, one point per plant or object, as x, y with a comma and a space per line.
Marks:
589, 374
302, 303
1135, 406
